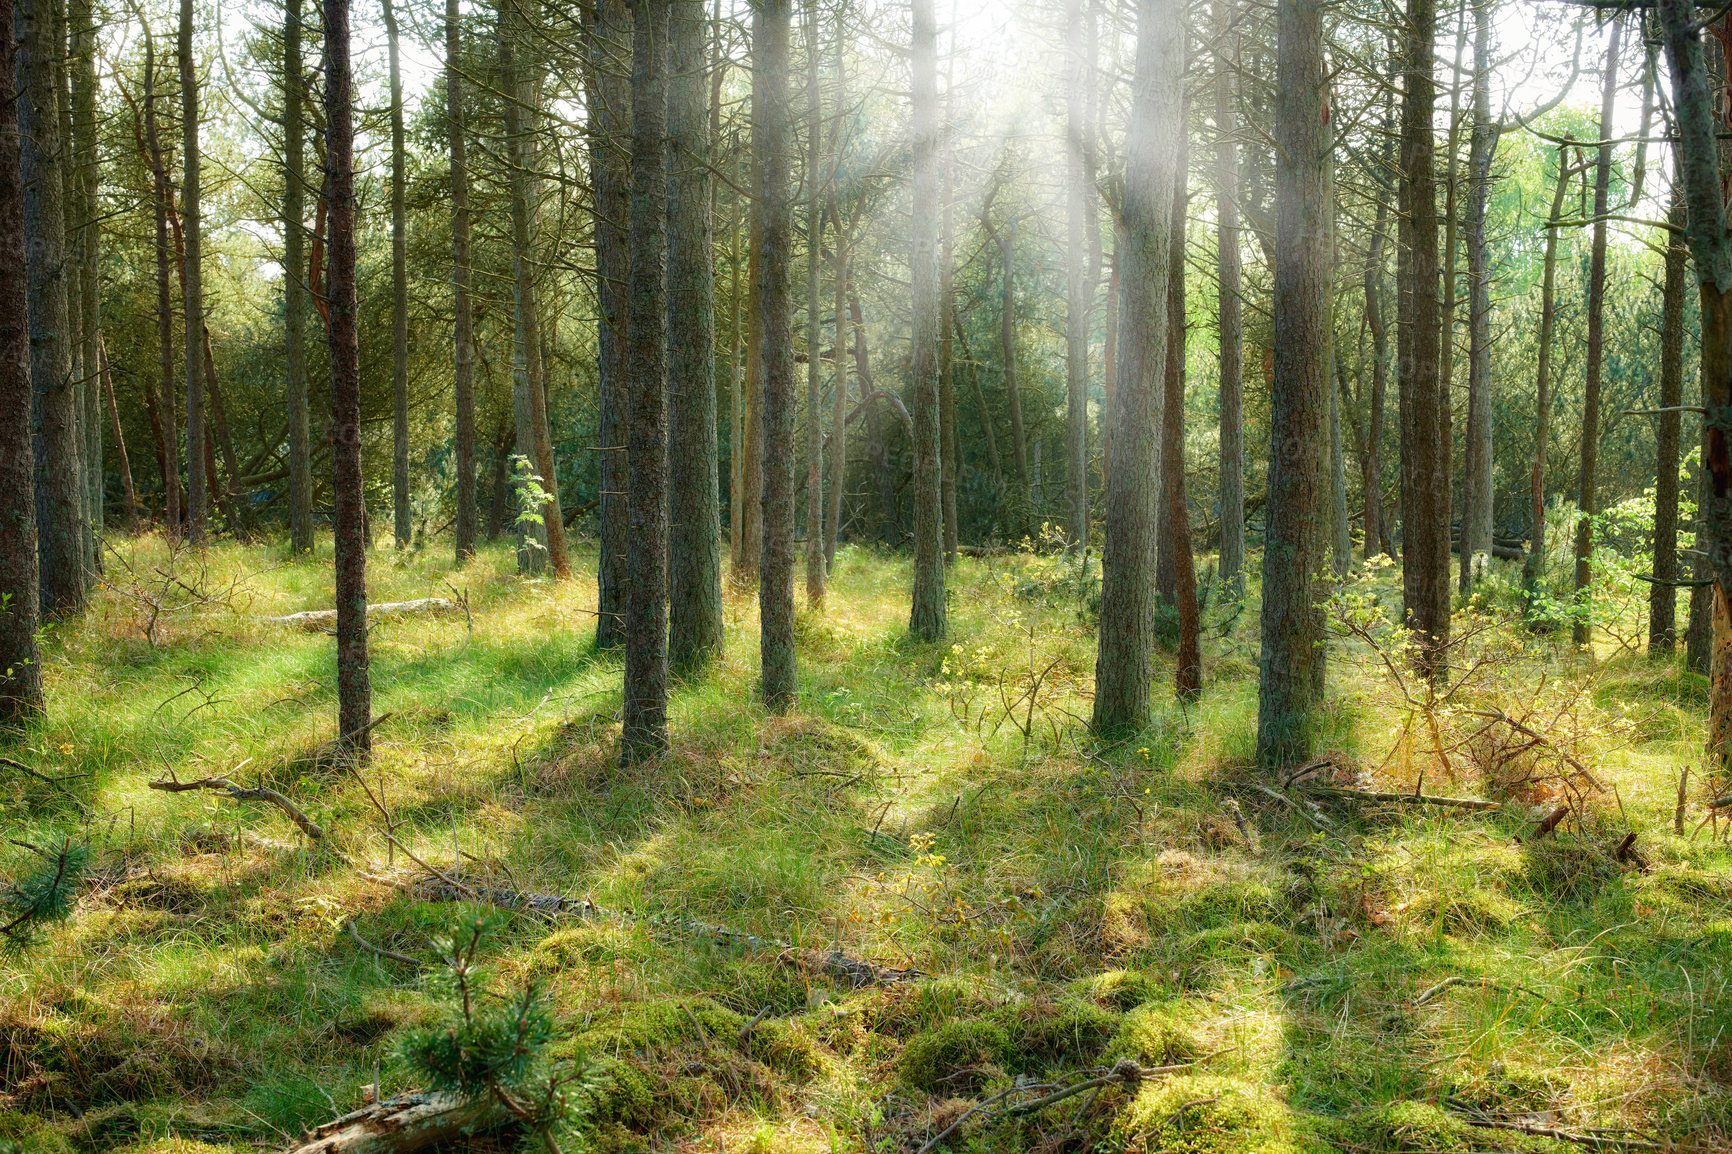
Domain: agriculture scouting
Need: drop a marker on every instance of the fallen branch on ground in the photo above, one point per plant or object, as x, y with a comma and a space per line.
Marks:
1316, 822
1126, 1072
241, 793
1399, 798
1558, 1135
856, 972
316, 619
354, 933
1551, 822
400, 1124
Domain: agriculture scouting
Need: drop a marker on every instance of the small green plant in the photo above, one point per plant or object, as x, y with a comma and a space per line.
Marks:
46, 894
532, 498
491, 1047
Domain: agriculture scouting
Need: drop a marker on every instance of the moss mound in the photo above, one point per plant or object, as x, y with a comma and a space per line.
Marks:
1158, 1034
932, 1058
1119, 989
1203, 1114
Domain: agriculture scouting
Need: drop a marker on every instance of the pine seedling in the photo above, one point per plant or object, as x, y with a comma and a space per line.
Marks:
46, 894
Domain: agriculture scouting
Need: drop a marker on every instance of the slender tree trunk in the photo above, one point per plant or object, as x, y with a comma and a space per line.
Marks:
21, 695
751, 490
645, 733
60, 504
1340, 521
1663, 593
1126, 632
814, 327
354, 684
1229, 311
132, 506
949, 445
1586, 498
736, 393
1424, 404
1534, 568
694, 521
926, 619
88, 240
877, 450
1079, 291
197, 505
161, 199
1174, 551
294, 289
71, 201
1378, 535
463, 330
1022, 511
1450, 293
838, 401
1699, 633
399, 292
773, 144
1289, 687
608, 25
1477, 476
1109, 360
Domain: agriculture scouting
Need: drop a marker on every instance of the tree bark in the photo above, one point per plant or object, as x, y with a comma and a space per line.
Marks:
1079, 291
1126, 631
949, 445
1663, 593
751, 490
1424, 405
463, 328
1018, 516
399, 291
88, 242
1341, 537
161, 200
20, 660
694, 524
1174, 552
1533, 570
815, 570
354, 684
294, 289
1477, 475
926, 620
645, 731
197, 505
838, 397
1230, 314
60, 504
772, 142
1378, 535
1288, 695
132, 505
608, 25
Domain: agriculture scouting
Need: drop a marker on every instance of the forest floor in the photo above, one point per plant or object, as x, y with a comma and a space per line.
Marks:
1406, 977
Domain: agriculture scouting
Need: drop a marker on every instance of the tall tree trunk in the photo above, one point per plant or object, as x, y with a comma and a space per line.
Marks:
1477, 476
399, 292
1289, 689
1021, 507
608, 26
60, 504
645, 731
1534, 568
838, 399
736, 391
1663, 593
1079, 291
161, 199
1340, 521
949, 445
197, 505
877, 449
772, 139
1699, 633
463, 330
71, 202
354, 684
926, 620
1586, 498
694, 524
1126, 632
814, 327
1229, 311
1378, 535
294, 289
751, 490
1424, 404
20, 659
88, 240
1174, 551
1450, 286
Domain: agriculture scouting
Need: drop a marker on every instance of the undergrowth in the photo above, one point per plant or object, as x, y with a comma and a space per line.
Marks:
222, 983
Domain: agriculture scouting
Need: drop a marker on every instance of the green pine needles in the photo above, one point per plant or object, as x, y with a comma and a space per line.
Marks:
46, 894
491, 1047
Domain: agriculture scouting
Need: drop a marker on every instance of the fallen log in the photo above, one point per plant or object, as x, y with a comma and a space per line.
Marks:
241, 793
402, 1124
856, 972
316, 619
1399, 798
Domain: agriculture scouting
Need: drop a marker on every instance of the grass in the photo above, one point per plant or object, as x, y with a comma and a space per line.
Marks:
934, 806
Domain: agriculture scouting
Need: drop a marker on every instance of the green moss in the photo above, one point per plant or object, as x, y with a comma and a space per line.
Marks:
597, 943
902, 1011
1157, 1034
1238, 938
1407, 1127
748, 985
25, 1133
1204, 1114
936, 1053
788, 1048
655, 1025
1216, 904
614, 1092
1047, 1033
1120, 989
1470, 912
